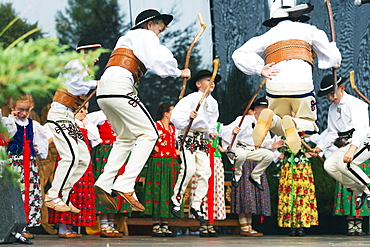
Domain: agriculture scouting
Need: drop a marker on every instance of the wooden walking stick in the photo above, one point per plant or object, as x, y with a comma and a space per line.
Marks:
187, 59
352, 80
333, 38
216, 63
246, 111
85, 102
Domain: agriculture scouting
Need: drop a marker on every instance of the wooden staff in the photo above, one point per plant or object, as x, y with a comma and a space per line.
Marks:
187, 59
246, 111
333, 38
216, 63
352, 80
85, 102
310, 150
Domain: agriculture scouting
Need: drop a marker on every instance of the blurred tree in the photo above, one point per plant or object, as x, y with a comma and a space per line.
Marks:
154, 90
97, 18
18, 28
234, 93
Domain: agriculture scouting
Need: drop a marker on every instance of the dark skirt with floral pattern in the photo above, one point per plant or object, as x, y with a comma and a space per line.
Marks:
160, 179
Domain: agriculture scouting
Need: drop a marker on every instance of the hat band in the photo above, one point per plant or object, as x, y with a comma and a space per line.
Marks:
88, 46
331, 85
146, 19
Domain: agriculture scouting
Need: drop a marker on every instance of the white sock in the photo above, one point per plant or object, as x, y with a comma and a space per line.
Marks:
62, 228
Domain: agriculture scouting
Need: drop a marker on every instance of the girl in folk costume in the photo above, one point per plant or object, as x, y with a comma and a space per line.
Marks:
102, 143
28, 139
82, 194
297, 206
216, 190
246, 199
161, 174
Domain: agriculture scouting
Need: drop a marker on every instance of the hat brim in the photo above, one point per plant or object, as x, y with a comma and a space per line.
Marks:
326, 91
166, 18
192, 81
273, 21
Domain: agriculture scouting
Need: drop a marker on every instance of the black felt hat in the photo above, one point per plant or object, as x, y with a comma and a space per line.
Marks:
289, 13
88, 43
326, 85
259, 102
151, 14
200, 75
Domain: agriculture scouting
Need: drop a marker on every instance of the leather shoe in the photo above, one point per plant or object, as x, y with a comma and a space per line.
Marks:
360, 200
262, 127
23, 240
68, 234
175, 210
59, 206
198, 215
255, 183
74, 209
292, 137
105, 198
131, 199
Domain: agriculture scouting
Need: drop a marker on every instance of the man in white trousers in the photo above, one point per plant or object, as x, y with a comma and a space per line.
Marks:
135, 52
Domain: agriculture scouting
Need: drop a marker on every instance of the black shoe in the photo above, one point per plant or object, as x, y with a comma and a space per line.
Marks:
203, 232
158, 234
293, 232
255, 183
212, 232
174, 211
234, 182
198, 215
167, 232
23, 240
360, 200
300, 232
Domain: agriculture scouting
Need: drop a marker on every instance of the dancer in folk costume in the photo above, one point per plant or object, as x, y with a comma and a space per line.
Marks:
195, 148
344, 200
244, 150
284, 55
68, 140
161, 174
297, 207
82, 194
348, 129
246, 199
28, 139
219, 211
102, 143
135, 52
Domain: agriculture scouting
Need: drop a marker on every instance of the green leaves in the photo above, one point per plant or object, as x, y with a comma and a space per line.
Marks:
33, 67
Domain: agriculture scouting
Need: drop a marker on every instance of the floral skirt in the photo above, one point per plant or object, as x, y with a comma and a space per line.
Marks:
219, 192
345, 202
160, 179
246, 198
297, 205
82, 197
34, 196
99, 158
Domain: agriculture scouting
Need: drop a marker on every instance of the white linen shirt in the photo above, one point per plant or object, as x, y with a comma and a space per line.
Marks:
295, 75
245, 134
146, 47
76, 81
206, 121
350, 113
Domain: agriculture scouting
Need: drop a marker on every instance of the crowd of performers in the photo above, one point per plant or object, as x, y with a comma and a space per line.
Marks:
101, 154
